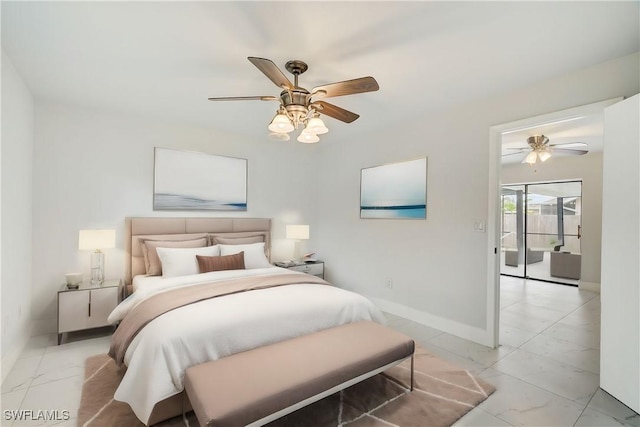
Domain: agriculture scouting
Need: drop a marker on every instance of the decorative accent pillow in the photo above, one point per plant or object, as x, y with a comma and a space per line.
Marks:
182, 261
151, 260
237, 240
254, 256
219, 263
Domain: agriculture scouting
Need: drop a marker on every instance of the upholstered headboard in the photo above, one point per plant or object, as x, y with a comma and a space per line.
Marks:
180, 228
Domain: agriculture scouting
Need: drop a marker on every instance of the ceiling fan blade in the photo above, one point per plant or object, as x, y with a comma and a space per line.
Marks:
567, 151
520, 151
570, 145
272, 71
335, 112
347, 87
245, 98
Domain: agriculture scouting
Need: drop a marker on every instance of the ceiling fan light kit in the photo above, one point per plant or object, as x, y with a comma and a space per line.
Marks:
539, 149
299, 108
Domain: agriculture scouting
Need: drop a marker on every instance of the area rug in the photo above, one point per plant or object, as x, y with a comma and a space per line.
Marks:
442, 394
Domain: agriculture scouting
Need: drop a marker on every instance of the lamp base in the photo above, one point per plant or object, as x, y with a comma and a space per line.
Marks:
97, 268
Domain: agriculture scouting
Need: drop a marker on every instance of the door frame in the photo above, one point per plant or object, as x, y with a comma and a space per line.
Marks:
493, 215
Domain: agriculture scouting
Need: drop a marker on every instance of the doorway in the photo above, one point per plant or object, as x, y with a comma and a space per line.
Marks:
494, 194
541, 226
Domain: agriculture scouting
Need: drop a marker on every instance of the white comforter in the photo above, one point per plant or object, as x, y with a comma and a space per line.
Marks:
218, 327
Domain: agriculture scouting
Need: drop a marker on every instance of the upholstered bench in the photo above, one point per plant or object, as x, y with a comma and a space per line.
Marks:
258, 386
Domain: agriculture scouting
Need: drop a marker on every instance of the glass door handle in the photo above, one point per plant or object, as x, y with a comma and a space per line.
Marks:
579, 231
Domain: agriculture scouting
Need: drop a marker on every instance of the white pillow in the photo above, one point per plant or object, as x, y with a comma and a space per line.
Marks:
182, 261
254, 256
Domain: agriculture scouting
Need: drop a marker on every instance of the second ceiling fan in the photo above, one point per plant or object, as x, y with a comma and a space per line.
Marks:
300, 107
539, 148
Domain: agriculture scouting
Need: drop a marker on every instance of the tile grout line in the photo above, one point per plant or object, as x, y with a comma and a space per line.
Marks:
585, 407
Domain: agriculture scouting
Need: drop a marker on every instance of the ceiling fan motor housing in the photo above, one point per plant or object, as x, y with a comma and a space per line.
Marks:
537, 142
296, 102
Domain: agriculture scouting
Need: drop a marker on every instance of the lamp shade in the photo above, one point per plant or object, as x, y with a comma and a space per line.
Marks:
96, 239
544, 155
531, 157
281, 123
298, 232
316, 126
279, 136
307, 137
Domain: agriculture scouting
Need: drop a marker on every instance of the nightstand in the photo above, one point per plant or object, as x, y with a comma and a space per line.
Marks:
315, 268
87, 306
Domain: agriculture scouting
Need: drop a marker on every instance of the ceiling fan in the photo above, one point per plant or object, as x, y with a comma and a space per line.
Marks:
300, 107
540, 148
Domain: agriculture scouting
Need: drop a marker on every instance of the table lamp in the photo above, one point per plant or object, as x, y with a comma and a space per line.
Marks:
297, 233
96, 240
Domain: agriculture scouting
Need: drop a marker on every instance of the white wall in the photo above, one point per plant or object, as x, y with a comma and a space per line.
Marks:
92, 169
439, 266
620, 326
17, 168
588, 168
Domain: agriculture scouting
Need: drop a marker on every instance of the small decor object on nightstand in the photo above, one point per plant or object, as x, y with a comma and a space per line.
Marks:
73, 280
309, 257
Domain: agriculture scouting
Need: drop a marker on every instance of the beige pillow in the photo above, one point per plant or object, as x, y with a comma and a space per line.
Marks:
236, 240
219, 263
151, 260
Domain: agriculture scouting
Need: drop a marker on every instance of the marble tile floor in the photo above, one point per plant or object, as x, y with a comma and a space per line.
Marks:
545, 371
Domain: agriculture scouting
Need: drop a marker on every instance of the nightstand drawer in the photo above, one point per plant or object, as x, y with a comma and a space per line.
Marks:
316, 269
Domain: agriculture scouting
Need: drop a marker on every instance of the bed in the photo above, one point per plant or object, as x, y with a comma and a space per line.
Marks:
239, 319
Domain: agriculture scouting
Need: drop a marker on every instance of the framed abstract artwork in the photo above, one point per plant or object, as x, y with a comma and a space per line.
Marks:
186, 180
394, 191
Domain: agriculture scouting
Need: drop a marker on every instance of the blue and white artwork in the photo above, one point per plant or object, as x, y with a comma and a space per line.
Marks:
187, 180
395, 191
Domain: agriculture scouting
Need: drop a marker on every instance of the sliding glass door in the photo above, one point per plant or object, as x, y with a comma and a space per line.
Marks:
512, 238
547, 246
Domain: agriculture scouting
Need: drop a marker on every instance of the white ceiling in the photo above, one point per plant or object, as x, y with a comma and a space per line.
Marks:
163, 59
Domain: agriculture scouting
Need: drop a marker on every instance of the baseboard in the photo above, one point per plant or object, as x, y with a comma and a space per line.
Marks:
477, 335
16, 350
589, 286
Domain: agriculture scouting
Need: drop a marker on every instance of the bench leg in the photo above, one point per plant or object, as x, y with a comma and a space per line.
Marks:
184, 407
412, 372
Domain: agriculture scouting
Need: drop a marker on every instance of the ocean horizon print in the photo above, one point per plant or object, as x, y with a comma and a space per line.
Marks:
179, 201
186, 180
394, 191
407, 212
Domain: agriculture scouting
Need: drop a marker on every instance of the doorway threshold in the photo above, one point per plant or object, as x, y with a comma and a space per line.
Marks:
542, 280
